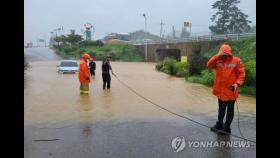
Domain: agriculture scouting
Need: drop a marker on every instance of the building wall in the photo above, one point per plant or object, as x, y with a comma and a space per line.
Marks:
185, 48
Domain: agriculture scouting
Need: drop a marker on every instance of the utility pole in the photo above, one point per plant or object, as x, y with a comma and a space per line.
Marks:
190, 28
56, 36
161, 25
173, 32
146, 42
161, 30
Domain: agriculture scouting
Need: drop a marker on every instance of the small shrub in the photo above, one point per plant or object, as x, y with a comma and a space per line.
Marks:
180, 69
250, 67
207, 77
196, 60
159, 66
168, 66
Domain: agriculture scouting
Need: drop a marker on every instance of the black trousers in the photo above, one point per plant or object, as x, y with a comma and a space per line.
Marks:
92, 72
223, 107
106, 80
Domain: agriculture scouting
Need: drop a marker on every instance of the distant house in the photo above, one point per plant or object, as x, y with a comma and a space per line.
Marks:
118, 36
29, 45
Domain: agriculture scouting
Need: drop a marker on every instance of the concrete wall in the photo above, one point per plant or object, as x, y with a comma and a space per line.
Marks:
185, 48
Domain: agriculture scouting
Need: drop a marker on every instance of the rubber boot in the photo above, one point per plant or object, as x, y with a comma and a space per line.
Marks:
226, 131
218, 126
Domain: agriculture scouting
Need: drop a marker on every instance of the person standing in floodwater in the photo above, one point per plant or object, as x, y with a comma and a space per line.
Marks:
92, 67
84, 74
106, 67
229, 75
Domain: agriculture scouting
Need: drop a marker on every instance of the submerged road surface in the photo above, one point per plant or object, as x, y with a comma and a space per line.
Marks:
40, 54
61, 123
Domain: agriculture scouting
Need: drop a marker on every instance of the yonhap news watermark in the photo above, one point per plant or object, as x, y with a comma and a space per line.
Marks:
179, 143
220, 144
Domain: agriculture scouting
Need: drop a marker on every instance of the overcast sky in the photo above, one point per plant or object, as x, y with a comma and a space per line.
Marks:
43, 16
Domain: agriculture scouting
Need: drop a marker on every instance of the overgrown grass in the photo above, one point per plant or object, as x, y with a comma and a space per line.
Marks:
249, 90
245, 49
120, 52
206, 78
194, 79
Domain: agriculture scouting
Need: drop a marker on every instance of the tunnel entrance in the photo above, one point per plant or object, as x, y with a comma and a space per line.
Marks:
161, 54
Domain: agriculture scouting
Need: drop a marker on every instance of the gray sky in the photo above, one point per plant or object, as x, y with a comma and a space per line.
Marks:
43, 16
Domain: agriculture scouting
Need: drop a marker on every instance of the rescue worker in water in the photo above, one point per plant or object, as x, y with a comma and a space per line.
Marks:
229, 75
84, 74
92, 67
106, 67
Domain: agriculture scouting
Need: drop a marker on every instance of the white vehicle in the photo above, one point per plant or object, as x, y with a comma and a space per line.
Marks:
68, 66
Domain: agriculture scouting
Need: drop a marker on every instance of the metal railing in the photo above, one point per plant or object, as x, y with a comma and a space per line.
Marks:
198, 39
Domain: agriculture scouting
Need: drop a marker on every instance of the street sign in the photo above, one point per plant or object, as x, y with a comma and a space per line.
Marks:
184, 59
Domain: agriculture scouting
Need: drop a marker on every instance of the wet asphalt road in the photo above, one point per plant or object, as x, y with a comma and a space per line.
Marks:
117, 123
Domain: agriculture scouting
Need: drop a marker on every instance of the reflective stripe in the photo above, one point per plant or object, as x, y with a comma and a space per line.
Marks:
85, 92
226, 65
219, 65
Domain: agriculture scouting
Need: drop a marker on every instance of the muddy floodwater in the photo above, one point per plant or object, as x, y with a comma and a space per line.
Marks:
51, 97
99, 124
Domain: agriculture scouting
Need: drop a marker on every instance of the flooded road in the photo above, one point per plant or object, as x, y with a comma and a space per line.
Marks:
40, 54
118, 123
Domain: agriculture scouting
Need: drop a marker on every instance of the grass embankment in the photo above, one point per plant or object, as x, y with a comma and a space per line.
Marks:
244, 49
119, 52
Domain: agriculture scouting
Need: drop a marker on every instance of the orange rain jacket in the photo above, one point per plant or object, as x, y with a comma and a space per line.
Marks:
228, 71
84, 74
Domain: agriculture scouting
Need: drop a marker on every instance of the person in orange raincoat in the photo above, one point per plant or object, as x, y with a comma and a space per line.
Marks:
84, 74
229, 75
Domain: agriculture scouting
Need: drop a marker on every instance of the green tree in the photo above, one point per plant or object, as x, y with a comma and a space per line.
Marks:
92, 54
57, 39
63, 39
74, 39
196, 60
229, 18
